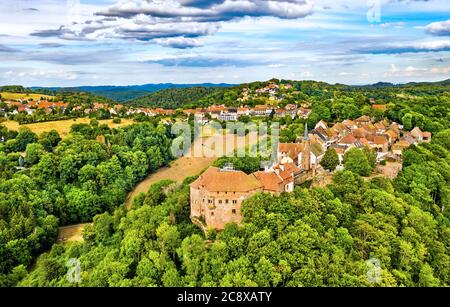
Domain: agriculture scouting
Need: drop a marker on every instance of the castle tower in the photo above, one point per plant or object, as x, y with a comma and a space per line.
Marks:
306, 153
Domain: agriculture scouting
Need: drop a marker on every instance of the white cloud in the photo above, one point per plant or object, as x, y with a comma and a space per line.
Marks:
173, 23
411, 71
440, 28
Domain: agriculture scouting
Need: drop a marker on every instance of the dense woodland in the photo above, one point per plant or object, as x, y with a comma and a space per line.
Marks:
312, 237
46, 182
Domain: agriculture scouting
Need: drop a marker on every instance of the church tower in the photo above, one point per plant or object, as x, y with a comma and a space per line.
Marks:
306, 153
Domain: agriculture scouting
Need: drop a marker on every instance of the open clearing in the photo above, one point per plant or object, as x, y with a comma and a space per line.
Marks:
62, 126
203, 153
72, 233
17, 96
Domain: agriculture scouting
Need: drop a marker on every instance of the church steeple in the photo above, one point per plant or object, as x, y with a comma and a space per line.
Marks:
305, 135
306, 153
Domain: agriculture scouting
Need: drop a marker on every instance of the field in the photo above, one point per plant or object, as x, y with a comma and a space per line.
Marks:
71, 233
204, 154
62, 126
17, 96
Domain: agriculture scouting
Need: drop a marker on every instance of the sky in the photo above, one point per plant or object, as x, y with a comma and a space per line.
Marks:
125, 42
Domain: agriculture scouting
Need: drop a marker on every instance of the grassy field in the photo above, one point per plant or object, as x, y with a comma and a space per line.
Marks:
191, 165
62, 126
17, 96
73, 233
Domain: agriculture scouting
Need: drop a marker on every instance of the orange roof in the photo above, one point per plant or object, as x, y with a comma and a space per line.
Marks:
391, 133
348, 139
379, 106
216, 180
269, 180
292, 149
363, 118
427, 134
379, 140
359, 133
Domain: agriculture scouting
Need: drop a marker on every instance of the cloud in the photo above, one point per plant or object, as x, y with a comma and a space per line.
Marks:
440, 28
39, 74
51, 45
5, 49
414, 47
411, 71
31, 9
276, 65
174, 23
201, 61
397, 25
179, 42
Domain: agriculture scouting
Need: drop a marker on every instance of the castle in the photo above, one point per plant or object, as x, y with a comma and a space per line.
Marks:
217, 195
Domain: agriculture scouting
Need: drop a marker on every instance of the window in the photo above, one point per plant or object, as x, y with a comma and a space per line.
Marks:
234, 201
210, 201
233, 211
226, 201
212, 213
220, 201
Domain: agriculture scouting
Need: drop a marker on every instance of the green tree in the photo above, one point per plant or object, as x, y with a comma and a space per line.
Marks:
356, 161
330, 160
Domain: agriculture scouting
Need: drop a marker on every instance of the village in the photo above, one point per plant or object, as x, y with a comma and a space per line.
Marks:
217, 195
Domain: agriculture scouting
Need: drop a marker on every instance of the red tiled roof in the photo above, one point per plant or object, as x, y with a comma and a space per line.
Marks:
216, 180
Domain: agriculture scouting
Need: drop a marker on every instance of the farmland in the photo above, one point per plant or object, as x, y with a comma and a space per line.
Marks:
17, 96
62, 126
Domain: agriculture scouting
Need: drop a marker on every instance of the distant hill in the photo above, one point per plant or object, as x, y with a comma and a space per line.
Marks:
173, 98
125, 93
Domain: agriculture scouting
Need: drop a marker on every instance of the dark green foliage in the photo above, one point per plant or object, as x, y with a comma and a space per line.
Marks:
68, 182
330, 160
359, 161
312, 237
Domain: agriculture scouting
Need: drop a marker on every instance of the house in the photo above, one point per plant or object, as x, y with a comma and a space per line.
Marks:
230, 115
363, 120
278, 179
420, 136
391, 135
243, 111
380, 144
289, 152
381, 107
398, 147
321, 124
261, 110
280, 112
348, 141
304, 113
349, 124
317, 154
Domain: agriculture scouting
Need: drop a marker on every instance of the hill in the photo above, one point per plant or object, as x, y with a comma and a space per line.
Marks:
124, 93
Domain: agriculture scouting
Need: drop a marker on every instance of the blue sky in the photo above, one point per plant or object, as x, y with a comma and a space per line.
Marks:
116, 42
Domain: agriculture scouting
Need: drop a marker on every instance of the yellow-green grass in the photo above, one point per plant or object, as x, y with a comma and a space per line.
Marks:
62, 126
17, 96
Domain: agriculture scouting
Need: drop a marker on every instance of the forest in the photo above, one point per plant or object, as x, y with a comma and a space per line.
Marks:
312, 237
46, 182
